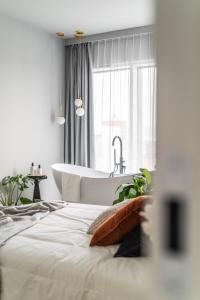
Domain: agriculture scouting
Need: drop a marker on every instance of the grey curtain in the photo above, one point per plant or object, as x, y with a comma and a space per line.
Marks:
79, 131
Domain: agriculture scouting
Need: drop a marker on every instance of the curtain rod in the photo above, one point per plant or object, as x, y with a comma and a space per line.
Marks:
109, 35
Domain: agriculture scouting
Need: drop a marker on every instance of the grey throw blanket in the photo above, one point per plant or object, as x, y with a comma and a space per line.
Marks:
15, 219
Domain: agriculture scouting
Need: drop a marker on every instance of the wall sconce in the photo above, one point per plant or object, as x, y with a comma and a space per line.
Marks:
79, 101
80, 111
60, 120
79, 107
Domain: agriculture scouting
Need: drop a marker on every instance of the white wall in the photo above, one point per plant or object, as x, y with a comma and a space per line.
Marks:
31, 84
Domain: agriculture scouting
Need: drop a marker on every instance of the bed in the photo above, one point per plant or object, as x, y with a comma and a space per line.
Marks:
52, 260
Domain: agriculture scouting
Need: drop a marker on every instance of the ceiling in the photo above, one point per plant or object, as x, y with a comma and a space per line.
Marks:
92, 16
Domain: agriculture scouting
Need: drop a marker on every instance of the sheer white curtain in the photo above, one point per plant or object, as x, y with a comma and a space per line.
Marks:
124, 74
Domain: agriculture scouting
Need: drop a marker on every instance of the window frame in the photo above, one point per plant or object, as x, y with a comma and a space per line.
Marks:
134, 68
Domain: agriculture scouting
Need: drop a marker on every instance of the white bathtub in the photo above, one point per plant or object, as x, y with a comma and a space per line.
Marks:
80, 184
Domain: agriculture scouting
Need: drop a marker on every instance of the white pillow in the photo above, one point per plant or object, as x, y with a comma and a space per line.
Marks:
105, 215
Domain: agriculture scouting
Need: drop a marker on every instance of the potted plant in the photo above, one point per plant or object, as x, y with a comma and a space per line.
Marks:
12, 188
140, 185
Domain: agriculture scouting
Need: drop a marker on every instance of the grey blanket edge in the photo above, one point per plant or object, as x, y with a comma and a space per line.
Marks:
14, 220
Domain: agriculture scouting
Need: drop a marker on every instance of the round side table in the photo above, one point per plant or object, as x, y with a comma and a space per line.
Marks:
36, 180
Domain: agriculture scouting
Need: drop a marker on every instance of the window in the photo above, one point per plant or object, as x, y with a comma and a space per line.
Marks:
125, 105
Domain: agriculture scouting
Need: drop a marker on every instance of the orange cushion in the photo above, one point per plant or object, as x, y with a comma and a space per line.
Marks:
117, 226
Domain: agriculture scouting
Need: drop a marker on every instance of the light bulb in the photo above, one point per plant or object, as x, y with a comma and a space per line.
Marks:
78, 102
60, 120
80, 111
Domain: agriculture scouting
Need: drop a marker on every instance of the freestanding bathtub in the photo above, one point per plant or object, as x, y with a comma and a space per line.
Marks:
81, 184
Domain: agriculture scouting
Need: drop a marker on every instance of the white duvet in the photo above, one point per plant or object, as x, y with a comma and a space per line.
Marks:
53, 261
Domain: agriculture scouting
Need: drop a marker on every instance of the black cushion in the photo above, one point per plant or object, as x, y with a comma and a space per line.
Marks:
134, 244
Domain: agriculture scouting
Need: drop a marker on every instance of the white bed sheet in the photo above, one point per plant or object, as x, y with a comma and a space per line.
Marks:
53, 261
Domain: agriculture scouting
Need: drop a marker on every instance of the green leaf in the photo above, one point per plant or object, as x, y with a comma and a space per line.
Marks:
141, 185
122, 195
118, 188
132, 191
141, 182
25, 200
5, 180
116, 202
147, 175
131, 196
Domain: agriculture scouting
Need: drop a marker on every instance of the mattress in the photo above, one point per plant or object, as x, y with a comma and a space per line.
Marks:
53, 261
